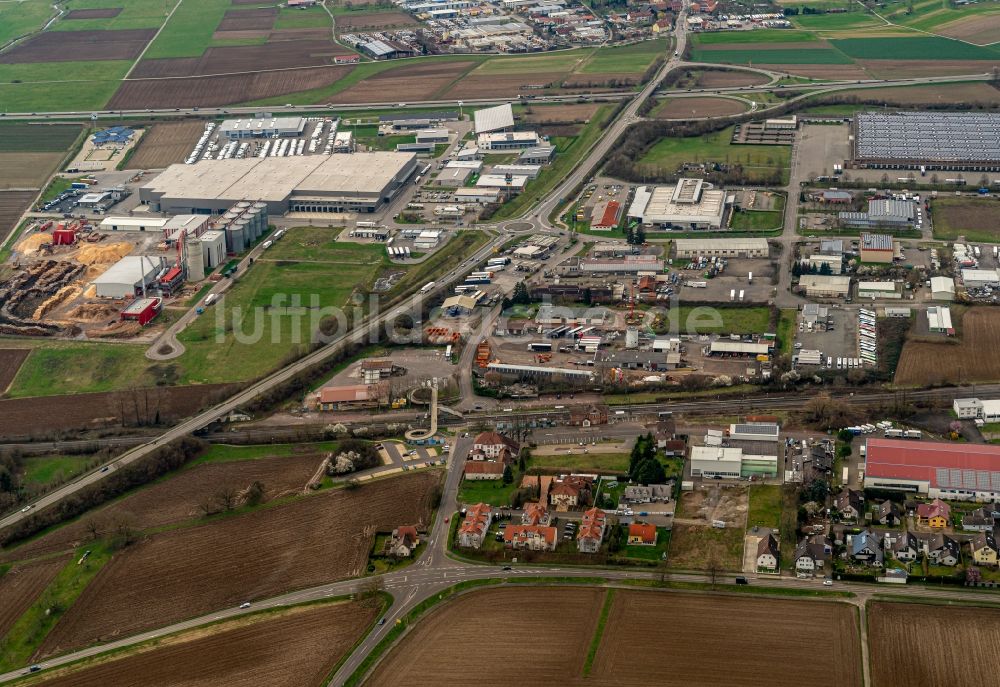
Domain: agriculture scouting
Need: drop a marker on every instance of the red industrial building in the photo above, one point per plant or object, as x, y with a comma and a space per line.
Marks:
606, 215
172, 280
945, 470
64, 234
142, 310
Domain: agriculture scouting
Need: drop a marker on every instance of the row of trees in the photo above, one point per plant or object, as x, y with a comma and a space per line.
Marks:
643, 465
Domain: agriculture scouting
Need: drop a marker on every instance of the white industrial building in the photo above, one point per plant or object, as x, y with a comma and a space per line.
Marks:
489, 119
978, 278
109, 224
511, 140
432, 136
825, 286
427, 239
262, 127
311, 183
530, 171
129, 276
723, 248
213, 248
975, 409
942, 289
835, 263
472, 165
747, 348
939, 320
343, 142
880, 289
477, 195
453, 176
514, 183
688, 205
716, 461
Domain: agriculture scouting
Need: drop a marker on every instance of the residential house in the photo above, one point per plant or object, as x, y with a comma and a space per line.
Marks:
820, 459
591, 532
673, 447
767, 553
531, 537
569, 492
483, 469
888, 513
589, 416
492, 445
812, 553
475, 525
652, 493
984, 549
641, 534
534, 514
850, 504
936, 514
866, 548
942, 549
906, 547
983, 519
403, 541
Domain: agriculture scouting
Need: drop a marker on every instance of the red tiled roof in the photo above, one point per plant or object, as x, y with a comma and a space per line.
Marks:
483, 467
493, 438
922, 461
644, 531
549, 534
534, 513
610, 216
338, 394
933, 509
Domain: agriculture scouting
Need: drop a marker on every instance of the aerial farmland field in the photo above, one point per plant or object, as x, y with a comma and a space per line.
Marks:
291, 648
22, 584
190, 571
968, 358
940, 644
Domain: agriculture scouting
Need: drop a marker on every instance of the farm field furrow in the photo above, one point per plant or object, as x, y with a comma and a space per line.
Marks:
12, 205
10, 362
972, 358
293, 648
165, 144
178, 498
21, 585
939, 645
561, 622
73, 46
684, 639
183, 573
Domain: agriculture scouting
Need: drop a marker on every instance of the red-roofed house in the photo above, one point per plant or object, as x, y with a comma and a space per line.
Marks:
535, 514
475, 525
483, 469
968, 472
531, 537
403, 541
606, 215
641, 534
570, 492
591, 534
935, 514
492, 445
349, 396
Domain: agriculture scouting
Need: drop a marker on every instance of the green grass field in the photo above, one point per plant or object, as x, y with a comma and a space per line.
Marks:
225, 453
60, 368
135, 14
756, 220
835, 22
34, 138
22, 18
40, 471
189, 30
30, 630
670, 153
803, 56
583, 461
765, 506
628, 59
923, 48
302, 18
491, 491
319, 244
977, 219
65, 86
564, 60
735, 320
756, 36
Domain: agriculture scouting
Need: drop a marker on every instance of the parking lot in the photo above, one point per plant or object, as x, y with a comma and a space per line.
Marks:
836, 340
735, 276
400, 455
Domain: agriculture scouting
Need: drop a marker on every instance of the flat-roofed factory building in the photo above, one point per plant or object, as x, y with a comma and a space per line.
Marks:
687, 205
961, 141
262, 127
312, 183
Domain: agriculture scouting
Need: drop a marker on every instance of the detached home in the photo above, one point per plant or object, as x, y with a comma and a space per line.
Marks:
984, 549
889, 513
591, 534
641, 534
812, 553
531, 537
475, 525
850, 504
767, 553
866, 548
906, 547
935, 514
942, 549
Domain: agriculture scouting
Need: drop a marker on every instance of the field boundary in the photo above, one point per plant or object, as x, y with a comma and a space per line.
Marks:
595, 641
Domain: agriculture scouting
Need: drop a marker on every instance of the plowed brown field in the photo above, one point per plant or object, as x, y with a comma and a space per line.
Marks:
282, 54
21, 586
561, 114
10, 362
25, 417
939, 645
215, 91
165, 144
248, 20
926, 95
376, 20
27, 170
419, 81
72, 46
296, 648
178, 499
485, 85
972, 359
902, 69
187, 572
713, 78
536, 636
806, 642
978, 29
12, 204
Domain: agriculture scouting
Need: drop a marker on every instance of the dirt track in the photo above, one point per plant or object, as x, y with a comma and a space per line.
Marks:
296, 648
187, 572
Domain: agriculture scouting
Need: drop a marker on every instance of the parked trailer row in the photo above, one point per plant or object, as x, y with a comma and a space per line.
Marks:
399, 253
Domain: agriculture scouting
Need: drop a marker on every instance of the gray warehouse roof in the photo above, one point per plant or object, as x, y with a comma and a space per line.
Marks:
930, 136
494, 118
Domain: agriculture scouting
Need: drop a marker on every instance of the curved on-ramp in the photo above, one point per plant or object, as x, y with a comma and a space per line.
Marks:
420, 434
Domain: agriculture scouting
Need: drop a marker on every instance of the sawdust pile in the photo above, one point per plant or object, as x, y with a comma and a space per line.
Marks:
30, 244
66, 293
91, 254
118, 330
92, 312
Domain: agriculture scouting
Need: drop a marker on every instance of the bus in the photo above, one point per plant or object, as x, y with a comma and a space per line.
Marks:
427, 287
540, 346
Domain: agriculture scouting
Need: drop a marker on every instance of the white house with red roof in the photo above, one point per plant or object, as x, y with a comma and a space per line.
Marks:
475, 525
491, 445
964, 472
591, 533
531, 537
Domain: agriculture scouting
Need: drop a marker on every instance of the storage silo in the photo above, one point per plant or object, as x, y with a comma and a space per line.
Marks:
246, 224
254, 216
631, 338
236, 240
213, 245
194, 259
261, 209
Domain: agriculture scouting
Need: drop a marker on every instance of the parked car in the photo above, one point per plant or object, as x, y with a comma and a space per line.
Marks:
245, 604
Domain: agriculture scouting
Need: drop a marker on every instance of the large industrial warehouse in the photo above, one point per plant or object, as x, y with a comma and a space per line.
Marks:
968, 141
967, 472
689, 204
315, 183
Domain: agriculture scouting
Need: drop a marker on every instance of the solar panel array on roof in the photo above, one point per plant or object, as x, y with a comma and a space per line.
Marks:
930, 136
876, 241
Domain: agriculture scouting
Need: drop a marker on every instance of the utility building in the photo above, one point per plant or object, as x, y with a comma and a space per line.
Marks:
129, 276
688, 205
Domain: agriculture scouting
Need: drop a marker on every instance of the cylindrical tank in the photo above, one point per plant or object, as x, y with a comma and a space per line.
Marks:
236, 241
254, 216
631, 338
261, 208
194, 260
246, 225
